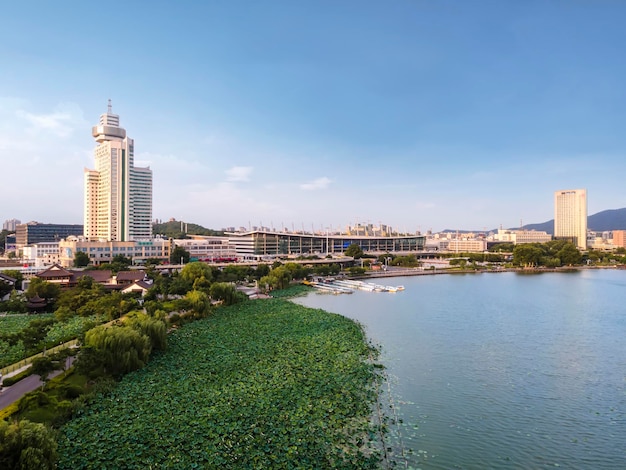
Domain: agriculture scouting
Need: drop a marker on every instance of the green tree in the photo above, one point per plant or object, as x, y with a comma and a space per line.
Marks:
117, 264
527, 254
120, 349
178, 254
17, 275
198, 301
42, 366
354, 251
224, 291
154, 329
261, 270
5, 288
81, 259
27, 445
196, 270
34, 334
44, 289
569, 254
202, 283
502, 248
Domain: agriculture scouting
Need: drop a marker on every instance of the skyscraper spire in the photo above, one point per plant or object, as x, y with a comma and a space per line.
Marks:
110, 109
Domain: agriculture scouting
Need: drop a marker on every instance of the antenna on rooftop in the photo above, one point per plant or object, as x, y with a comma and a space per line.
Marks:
110, 110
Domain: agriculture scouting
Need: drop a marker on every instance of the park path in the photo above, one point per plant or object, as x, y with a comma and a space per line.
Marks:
9, 395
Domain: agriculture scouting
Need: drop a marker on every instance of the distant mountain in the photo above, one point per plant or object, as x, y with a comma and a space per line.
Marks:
612, 219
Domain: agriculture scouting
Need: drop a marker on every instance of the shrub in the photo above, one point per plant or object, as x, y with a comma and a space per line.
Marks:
7, 382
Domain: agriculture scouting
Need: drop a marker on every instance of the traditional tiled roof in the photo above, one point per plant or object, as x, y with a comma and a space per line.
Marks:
137, 286
36, 303
55, 272
7, 279
131, 276
100, 276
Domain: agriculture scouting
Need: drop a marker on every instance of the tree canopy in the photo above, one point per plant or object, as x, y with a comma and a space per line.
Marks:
26, 445
354, 250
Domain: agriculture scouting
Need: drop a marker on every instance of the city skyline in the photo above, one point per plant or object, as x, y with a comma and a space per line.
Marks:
418, 115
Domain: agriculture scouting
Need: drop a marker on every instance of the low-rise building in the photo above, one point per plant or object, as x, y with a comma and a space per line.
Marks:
125, 281
100, 252
35, 232
208, 248
41, 254
467, 245
522, 236
255, 245
619, 238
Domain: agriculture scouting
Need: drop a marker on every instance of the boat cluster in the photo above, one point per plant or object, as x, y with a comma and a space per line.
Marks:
347, 286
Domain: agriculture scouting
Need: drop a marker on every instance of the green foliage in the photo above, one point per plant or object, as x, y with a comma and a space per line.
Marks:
155, 330
34, 334
502, 248
225, 292
26, 445
357, 270
553, 253
354, 250
15, 304
15, 274
5, 289
409, 261
8, 381
198, 301
264, 384
39, 331
117, 264
196, 270
235, 273
44, 289
261, 270
178, 254
278, 278
81, 259
172, 229
42, 366
117, 349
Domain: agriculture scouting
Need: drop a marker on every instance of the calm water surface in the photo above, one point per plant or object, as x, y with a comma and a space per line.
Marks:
501, 370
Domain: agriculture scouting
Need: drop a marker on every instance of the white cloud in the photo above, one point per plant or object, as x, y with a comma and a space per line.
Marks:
239, 173
61, 122
319, 183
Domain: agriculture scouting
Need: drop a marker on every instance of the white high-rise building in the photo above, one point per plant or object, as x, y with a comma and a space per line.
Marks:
118, 195
570, 216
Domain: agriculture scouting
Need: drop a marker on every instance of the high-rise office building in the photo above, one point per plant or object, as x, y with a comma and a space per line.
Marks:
570, 216
10, 224
118, 195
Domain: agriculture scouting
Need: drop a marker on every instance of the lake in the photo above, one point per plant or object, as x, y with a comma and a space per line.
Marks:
500, 370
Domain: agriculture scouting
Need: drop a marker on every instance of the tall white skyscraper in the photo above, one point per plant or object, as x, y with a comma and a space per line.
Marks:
118, 195
570, 216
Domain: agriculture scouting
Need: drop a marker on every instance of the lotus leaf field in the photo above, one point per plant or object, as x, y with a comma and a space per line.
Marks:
60, 331
262, 384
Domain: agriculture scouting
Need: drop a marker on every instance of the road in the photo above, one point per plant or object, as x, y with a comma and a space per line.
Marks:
16, 391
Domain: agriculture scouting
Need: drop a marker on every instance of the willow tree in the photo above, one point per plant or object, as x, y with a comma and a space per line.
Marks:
119, 349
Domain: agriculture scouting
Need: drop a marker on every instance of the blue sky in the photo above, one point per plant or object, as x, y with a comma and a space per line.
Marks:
418, 114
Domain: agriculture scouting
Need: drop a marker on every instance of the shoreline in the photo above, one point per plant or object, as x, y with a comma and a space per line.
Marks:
426, 272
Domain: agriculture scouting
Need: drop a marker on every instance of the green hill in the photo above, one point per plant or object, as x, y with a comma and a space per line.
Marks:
177, 229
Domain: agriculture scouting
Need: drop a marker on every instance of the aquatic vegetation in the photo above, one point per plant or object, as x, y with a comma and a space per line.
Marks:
12, 327
263, 384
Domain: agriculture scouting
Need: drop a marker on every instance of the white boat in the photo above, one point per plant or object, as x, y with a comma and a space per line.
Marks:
400, 287
391, 289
